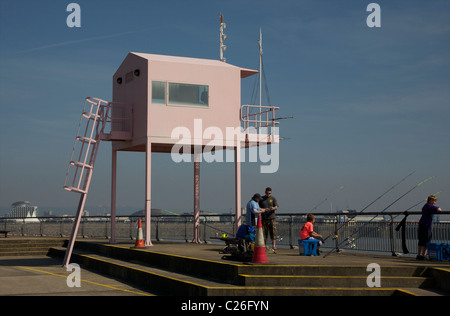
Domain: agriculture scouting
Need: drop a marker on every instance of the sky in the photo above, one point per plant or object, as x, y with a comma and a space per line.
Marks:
370, 105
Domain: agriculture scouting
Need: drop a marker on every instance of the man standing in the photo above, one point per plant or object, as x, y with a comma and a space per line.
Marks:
253, 210
269, 203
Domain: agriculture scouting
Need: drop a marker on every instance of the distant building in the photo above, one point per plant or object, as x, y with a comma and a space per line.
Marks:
141, 213
23, 210
48, 213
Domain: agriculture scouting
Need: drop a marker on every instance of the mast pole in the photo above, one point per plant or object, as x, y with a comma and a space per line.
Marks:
222, 37
260, 73
260, 65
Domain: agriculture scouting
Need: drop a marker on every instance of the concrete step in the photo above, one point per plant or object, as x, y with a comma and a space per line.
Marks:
425, 292
333, 270
26, 247
33, 241
195, 276
228, 271
167, 282
148, 277
332, 281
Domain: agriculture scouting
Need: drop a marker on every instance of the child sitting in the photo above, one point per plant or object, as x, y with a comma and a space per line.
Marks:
307, 231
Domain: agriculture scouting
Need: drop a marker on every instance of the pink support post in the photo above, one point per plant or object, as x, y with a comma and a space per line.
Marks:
148, 191
113, 195
196, 198
237, 162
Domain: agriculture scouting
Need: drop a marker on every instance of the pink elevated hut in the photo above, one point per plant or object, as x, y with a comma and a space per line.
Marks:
157, 101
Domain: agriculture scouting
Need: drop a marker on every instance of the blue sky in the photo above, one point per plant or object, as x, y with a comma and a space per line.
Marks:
371, 105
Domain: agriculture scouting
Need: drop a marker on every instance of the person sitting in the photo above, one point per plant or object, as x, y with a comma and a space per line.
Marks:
307, 231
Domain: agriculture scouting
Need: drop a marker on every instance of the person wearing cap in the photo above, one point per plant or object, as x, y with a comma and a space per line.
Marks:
425, 224
253, 209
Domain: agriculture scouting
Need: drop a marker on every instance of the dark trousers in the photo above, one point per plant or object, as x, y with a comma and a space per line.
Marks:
424, 235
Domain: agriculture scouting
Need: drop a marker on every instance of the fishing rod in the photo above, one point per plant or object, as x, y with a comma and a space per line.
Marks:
204, 223
402, 226
421, 201
282, 118
349, 240
173, 213
366, 207
328, 197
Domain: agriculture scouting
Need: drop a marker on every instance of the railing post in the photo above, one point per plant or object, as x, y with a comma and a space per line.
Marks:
83, 228
204, 230
157, 228
391, 233
233, 225
273, 117
291, 244
131, 227
336, 236
185, 229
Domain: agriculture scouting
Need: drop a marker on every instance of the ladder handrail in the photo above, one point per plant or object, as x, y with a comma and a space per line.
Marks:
93, 116
96, 111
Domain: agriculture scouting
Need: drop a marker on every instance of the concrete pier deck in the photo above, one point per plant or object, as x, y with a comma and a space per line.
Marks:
202, 271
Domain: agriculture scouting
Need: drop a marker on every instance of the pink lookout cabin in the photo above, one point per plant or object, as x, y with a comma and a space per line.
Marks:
156, 100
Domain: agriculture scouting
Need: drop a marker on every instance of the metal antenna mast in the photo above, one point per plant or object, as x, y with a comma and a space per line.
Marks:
222, 38
260, 64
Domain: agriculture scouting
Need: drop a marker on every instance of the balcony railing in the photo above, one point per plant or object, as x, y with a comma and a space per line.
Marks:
258, 117
119, 121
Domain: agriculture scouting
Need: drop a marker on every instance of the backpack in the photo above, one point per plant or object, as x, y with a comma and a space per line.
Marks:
246, 232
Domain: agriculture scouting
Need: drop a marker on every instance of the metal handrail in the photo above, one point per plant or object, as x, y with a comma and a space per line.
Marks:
258, 120
379, 236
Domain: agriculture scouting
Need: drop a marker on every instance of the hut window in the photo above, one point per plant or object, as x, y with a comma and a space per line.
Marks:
188, 94
159, 92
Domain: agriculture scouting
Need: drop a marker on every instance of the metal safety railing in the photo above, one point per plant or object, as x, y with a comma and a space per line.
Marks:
258, 117
118, 123
374, 234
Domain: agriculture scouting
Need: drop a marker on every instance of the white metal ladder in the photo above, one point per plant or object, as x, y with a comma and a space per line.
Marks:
85, 148
81, 165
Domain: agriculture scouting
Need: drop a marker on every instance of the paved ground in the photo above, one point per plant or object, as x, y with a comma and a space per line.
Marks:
41, 275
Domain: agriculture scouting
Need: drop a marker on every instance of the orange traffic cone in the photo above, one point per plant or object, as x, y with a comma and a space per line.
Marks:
140, 236
259, 253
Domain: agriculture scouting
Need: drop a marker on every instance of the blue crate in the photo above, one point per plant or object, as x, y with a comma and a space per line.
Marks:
434, 251
308, 247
